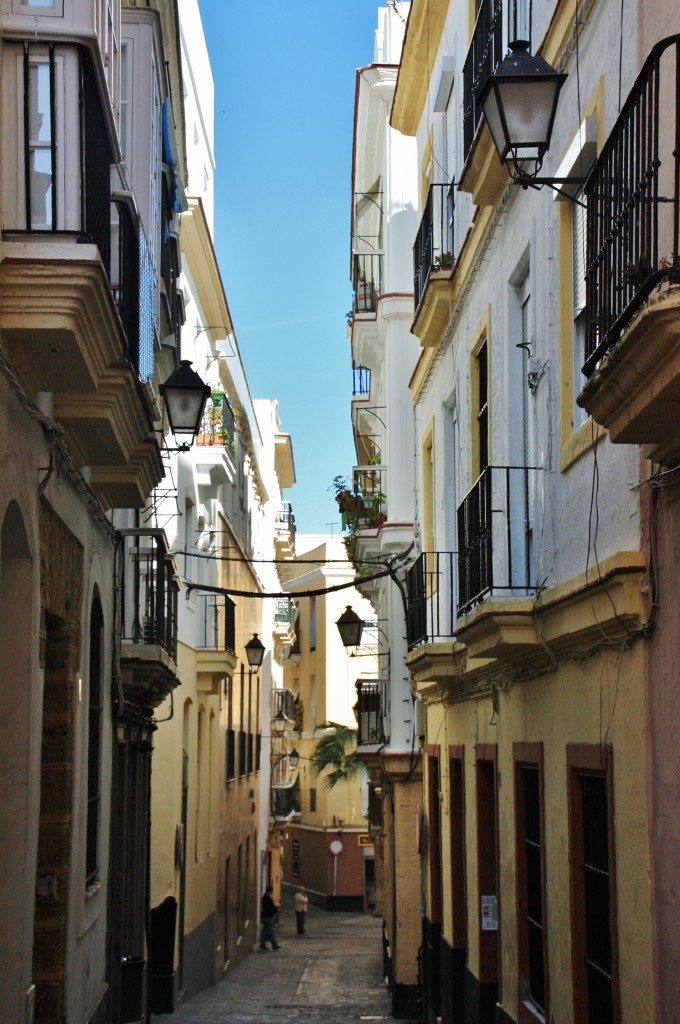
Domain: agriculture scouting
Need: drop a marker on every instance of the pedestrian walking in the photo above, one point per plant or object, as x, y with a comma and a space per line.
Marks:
268, 912
300, 902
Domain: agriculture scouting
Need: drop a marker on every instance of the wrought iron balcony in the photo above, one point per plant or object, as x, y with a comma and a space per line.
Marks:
133, 285
285, 518
366, 251
285, 611
633, 204
149, 589
285, 802
433, 247
361, 381
370, 711
366, 281
216, 615
283, 702
217, 426
430, 587
495, 536
483, 56
365, 507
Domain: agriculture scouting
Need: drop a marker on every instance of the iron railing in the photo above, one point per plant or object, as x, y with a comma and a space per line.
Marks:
216, 614
433, 247
284, 702
367, 504
370, 711
218, 423
366, 280
149, 589
483, 56
170, 270
97, 160
361, 380
285, 801
125, 273
637, 177
430, 585
285, 610
495, 536
285, 519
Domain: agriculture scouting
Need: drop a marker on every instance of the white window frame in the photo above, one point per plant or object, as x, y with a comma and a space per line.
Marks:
55, 9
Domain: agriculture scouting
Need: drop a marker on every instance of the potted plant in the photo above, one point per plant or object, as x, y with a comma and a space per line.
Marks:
443, 261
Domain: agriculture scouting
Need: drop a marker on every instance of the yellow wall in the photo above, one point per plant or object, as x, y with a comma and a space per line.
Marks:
596, 701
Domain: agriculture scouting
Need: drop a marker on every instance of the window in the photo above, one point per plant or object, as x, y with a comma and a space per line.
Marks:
125, 93
578, 243
480, 384
457, 826
593, 885
42, 7
429, 505
487, 864
231, 732
312, 799
94, 734
40, 143
312, 623
296, 858
531, 937
434, 834
242, 764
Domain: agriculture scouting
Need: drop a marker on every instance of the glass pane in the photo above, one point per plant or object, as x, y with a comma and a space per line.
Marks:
39, 103
38, 3
41, 188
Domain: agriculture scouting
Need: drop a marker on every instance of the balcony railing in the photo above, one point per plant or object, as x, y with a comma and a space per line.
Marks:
285, 519
483, 56
495, 536
285, 611
429, 598
366, 275
361, 381
285, 801
149, 589
284, 702
630, 247
366, 507
433, 247
217, 426
370, 711
216, 615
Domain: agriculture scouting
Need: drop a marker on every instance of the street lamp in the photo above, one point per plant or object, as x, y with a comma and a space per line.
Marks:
185, 395
279, 723
519, 101
350, 627
293, 758
255, 651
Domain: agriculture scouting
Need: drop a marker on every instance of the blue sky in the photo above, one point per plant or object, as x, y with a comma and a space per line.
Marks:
284, 104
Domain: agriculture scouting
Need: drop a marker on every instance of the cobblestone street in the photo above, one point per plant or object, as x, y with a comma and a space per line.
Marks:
330, 975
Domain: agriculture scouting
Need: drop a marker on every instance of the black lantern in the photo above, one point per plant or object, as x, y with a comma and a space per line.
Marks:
255, 651
293, 758
519, 101
350, 627
185, 395
279, 723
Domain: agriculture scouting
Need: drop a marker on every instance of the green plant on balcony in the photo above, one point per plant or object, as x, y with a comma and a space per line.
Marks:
443, 261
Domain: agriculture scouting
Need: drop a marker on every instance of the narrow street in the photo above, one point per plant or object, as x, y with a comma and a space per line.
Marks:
332, 974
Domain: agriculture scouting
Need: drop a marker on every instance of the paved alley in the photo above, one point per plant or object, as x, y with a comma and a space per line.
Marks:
330, 975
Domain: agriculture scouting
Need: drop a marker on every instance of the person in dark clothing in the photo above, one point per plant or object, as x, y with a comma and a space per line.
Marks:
268, 911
